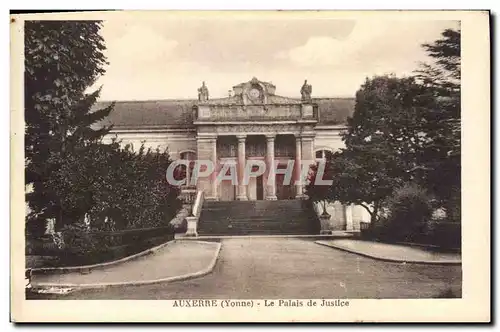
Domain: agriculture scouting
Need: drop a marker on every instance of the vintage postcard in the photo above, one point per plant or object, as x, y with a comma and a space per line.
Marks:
323, 166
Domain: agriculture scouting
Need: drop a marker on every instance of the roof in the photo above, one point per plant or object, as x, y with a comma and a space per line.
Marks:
178, 113
334, 110
150, 113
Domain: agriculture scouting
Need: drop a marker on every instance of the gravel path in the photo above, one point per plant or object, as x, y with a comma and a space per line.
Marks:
272, 268
174, 259
393, 252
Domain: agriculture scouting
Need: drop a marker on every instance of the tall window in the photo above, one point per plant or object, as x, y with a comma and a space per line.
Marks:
227, 146
187, 172
284, 146
323, 155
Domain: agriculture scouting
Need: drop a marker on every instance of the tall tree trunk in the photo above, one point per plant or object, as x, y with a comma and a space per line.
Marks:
324, 207
58, 225
373, 216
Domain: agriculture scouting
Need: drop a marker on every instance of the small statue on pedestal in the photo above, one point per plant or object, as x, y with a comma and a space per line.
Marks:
203, 92
306, 91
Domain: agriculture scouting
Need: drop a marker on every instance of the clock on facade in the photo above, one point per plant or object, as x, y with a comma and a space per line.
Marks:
254, 94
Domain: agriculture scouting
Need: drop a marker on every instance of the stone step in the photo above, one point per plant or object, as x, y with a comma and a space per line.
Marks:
255, 232
254, 219
256, 204
253, 210
290, 217
209, 215
260, 227
257, 226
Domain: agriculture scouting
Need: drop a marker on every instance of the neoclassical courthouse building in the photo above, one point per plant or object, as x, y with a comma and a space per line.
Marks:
252, 122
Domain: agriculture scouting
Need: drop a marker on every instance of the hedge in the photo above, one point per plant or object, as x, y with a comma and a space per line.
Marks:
97, 247
441, 234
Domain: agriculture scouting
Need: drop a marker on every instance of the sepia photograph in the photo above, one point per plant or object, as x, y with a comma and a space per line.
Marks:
246, 160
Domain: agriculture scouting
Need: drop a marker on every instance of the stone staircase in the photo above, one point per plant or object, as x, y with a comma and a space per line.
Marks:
286, 217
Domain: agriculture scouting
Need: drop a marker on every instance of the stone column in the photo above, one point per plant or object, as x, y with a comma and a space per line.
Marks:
241, 193
271, 181
359, 214
297, 170
205, 151
308, 153
308, 148
213, 176
348, 218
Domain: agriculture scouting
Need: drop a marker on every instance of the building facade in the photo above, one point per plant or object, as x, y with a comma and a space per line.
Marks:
252, 125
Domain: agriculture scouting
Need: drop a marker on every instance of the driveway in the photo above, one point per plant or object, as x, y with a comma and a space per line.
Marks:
175, 259
271, 268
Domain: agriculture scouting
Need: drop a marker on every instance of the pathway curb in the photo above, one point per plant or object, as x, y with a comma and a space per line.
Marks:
339, 234
85, 268
387, 259
186, 276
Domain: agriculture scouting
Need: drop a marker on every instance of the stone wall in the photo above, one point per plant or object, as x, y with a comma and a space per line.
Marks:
328, 138
176, 142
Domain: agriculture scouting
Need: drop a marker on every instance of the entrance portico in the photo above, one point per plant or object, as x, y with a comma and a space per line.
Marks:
255, 126
245, 154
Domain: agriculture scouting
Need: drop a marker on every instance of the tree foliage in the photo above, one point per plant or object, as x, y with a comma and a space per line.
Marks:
73, 174
320, 193
444, 71
390, 122
404, 130
409, 212
442, 76
383, 142
62, 60
116, 187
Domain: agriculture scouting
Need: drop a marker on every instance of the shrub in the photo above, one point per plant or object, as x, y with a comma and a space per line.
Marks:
181, 228
79, 245
107, 181
35, 226
83, 246
409, 209
453, 207
446, 235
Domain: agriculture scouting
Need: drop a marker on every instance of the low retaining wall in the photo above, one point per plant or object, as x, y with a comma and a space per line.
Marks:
105, 247
88, 268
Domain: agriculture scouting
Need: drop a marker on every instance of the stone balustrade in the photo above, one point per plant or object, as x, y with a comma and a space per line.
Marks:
256, 112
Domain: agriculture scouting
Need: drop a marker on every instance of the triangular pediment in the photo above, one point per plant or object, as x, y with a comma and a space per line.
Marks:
266, 87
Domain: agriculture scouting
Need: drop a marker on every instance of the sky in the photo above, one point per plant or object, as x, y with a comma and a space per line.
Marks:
159, 58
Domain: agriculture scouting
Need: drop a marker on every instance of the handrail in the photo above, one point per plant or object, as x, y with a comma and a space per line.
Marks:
192, 220
195, 212
188, 195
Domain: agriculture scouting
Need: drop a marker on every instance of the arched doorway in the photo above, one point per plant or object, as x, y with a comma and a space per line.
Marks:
227, 152
188, 171
284, 152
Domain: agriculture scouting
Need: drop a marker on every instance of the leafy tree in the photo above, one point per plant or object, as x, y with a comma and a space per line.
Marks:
62, 60
320, 193
383, 142
74, 175
442, 163
116, 188
391, 116
404, 130
362, 180
444, 71
137, 194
